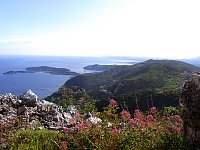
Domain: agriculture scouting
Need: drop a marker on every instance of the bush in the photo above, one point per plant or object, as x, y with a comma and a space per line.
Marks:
37, 140
138, 130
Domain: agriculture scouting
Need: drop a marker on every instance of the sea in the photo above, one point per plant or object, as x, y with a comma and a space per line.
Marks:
44, 84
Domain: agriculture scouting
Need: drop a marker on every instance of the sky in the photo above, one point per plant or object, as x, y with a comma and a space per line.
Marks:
142, 28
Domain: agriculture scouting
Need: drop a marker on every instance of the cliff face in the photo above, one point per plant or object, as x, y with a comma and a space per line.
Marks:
190, 101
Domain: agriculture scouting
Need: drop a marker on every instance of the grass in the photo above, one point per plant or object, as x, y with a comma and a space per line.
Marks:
36, 140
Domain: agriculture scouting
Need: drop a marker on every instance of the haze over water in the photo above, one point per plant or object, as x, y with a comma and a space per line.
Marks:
43, 84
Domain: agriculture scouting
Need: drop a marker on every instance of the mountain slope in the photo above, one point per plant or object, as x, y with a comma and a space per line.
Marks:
155, 73
158, 80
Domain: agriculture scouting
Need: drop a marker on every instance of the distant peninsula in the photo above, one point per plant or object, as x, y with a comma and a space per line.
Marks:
45, 69
97, 67
15, 72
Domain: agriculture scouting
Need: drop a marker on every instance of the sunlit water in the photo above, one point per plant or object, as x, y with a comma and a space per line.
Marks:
42, 84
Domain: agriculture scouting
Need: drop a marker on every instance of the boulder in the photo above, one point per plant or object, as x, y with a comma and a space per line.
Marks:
72, 110
88, 115
17, 103
29, 99
56, 119
3, 109
190, 102
6, 99
21, 110
1, 116
94, 120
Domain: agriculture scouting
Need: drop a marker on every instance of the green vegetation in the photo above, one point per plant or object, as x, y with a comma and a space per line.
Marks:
159, 80
97, 67
136, 131
70, 96
37, 140
51, 70
129, 123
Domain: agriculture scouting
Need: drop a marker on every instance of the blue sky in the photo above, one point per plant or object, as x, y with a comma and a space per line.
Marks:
22, 16
156, 28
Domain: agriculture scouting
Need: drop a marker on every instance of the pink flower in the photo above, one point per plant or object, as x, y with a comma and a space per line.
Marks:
82, 126
177, 118
170, 128
65, 129
132, 126
164, 117
178, 128
63, 145
78, 114
137, 111
146, 124
150, 117
115, 131
131, 121
125, 115
137, 120
112, 102
153, 110
172, 117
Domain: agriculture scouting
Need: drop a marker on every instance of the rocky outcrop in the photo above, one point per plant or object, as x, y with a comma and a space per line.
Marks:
27, 111
92, 119
190, 102
29, 98
35, 113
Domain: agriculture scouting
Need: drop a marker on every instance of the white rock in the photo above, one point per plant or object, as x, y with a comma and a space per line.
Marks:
44, 102
29, 95
109, 124
94, 120
29, 99
72, 110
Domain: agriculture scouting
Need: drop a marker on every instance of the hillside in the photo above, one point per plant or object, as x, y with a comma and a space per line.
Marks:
51, 70
69, 96
152, 81
97, 67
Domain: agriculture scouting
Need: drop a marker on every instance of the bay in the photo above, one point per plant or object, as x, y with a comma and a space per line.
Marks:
43, 84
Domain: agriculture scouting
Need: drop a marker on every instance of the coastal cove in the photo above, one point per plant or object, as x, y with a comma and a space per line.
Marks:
44, 84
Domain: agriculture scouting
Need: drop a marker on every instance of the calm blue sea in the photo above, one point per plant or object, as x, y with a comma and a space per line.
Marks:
43, 84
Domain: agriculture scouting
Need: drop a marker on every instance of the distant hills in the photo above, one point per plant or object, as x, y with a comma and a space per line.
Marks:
194, 61
154, 72
153, 82
98, 67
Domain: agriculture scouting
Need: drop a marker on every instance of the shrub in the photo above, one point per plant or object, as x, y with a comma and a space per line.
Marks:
150, 130
37, 140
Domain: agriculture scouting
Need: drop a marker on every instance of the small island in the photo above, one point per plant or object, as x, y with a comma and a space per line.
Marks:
45, 69
97, 67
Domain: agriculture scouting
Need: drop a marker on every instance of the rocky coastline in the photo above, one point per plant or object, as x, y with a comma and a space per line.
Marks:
44, 69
